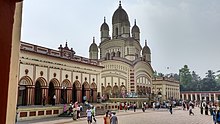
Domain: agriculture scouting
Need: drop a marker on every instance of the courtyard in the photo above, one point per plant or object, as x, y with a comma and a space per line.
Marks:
161, 116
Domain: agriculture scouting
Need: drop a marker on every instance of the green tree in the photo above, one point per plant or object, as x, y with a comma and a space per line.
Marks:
185, 78
209, 83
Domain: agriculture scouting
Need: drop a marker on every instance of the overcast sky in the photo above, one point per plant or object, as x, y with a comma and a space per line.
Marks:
179, 32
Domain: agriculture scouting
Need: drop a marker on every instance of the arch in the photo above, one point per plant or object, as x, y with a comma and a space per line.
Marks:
108, 91
112, 54
93, 92
22, 97
118, 54
55, 82
107, 56
86, 85
66, 83
76, 86
85, 93
123, 90
51, 93
93, 86
103, 90
115, 91
38, 93
42, 81
25, 80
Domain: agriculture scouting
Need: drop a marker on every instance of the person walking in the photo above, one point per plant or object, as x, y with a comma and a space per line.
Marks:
134, 107
114, 119
214, 116
190, 110
93, 113
171, 109
143, 107
206, 110
218, 117
201, 108
106, 118
89, 115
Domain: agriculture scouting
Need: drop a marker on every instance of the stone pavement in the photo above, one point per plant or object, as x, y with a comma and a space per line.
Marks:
161, 116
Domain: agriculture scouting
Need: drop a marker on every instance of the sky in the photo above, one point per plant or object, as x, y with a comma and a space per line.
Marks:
178, 32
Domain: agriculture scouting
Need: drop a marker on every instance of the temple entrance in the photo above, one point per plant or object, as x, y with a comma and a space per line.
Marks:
22, 96
38, 93
63, 95
84, 98
74, 93
108, 92
115, 93
51, 93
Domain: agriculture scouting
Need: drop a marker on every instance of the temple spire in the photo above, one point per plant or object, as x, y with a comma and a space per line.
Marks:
145, 42
104, 18
93, 39
119, 3
134, 21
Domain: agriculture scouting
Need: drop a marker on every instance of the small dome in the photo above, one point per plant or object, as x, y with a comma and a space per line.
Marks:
120, 16
93, 47
146, 49
104, 26
135, 28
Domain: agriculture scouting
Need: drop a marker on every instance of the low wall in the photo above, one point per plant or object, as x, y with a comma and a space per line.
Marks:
28, 113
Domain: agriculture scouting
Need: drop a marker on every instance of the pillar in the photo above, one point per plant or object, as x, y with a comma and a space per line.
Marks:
79, 95
187, 96
200, 97
58, 94
210, 97
94, 97
45, 91
69, 95
10, 21
214, 97
196, 97
183, 97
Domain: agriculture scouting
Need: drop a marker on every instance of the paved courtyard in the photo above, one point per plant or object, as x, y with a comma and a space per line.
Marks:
149, 117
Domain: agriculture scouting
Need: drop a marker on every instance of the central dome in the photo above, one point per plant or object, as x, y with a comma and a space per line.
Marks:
120, 16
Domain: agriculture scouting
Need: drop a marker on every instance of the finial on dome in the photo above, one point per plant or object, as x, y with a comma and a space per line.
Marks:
134, 21
66, 43
145, 42
119, 3
93, 39
104, 18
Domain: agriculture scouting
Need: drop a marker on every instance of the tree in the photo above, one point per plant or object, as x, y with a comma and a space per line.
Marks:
209, 83
185, 77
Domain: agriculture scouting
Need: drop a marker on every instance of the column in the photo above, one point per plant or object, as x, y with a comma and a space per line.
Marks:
45, 91
69, 94
79, 95
200, 97
187, 96
210, 97
191, 95
57, 93
88, 94
94, 97
183, 96
196, 97
214, 97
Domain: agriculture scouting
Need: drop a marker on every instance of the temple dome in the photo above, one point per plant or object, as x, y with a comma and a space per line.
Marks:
120, 16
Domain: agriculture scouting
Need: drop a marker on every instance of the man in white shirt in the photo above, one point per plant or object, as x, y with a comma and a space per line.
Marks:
89, 115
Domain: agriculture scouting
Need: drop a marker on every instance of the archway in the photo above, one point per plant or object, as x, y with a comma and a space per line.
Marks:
38, 93
76, 87
23, 91
64, 86
51, 93
123, 91
115, 91
93, 92
85, 92
108, 91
